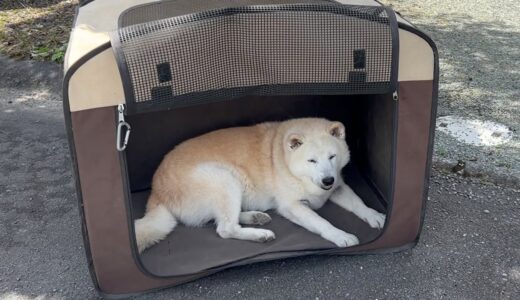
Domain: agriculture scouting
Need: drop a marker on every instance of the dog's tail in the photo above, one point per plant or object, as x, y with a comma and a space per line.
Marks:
153, 227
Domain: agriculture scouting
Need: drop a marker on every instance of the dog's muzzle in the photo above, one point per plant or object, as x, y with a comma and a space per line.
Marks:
327, 183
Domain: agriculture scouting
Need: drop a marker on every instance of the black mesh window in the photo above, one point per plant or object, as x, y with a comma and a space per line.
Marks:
291, 49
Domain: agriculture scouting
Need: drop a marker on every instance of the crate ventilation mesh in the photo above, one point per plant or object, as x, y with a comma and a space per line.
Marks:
294, 49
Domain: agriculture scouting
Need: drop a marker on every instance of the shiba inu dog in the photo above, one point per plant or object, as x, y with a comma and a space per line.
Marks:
231, 176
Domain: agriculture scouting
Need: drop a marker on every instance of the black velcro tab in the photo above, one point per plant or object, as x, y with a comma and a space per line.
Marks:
357, 76
162, 93
164, 72
359, 59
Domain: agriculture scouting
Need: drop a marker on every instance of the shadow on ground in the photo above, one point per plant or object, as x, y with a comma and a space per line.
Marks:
15, 4
30, 74
36, 29
480, 66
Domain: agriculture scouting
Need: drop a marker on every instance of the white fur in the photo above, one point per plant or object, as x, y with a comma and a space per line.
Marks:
153, 227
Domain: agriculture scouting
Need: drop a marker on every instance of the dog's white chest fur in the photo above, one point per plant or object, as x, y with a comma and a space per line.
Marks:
269, 198
315, 202
258, 201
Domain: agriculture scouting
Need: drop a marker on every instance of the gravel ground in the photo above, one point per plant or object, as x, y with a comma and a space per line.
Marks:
479, 49
470, 247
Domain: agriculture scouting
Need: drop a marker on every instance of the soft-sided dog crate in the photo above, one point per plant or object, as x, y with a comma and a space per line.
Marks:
172, 70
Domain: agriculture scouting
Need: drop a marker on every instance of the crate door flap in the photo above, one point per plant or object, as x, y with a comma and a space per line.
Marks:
296, 49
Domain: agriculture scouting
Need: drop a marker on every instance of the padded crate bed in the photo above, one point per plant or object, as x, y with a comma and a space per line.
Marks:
143, 76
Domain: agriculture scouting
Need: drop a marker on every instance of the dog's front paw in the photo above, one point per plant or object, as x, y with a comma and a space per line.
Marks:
341, 238
375, 219
264, 235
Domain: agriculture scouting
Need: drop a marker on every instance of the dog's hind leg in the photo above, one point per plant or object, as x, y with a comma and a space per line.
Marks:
254, 218
227, 204
228, 228
222, 191
227, 217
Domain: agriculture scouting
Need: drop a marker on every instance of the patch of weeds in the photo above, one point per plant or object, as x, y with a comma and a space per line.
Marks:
36, 29
442, 151
41, 52
506, 165
59, 54
45, 53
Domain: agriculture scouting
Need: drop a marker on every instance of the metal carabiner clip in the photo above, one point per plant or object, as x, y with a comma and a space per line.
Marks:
121, 144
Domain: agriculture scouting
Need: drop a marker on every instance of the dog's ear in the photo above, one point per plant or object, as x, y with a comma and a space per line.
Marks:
294, 141
337, 130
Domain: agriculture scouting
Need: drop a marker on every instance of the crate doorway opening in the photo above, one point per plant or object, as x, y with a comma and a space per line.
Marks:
370, 134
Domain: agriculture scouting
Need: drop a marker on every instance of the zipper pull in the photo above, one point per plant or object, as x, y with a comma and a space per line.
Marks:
121, 144
395, 96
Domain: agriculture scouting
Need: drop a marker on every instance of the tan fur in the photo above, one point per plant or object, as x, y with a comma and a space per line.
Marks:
248, 149
238, 147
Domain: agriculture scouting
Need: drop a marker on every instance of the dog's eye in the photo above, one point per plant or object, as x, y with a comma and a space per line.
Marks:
312, 161
332, 156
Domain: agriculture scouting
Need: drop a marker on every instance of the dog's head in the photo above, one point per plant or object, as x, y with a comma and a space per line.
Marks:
316, 151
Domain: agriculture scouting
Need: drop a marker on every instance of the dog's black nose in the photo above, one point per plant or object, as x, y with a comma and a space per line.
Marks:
327, 181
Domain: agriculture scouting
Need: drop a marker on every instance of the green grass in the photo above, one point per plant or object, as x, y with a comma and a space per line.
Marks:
35, 29
441, 151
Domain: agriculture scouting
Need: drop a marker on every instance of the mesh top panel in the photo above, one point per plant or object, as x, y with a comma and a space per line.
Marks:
173, 8
261, 50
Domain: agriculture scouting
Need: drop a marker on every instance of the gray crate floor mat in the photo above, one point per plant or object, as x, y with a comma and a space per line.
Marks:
189, 250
